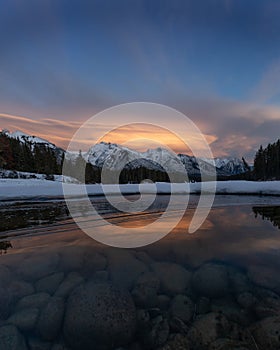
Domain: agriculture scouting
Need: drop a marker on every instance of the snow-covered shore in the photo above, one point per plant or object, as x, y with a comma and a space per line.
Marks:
26, 189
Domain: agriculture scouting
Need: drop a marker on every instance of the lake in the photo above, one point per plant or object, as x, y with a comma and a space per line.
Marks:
218, 288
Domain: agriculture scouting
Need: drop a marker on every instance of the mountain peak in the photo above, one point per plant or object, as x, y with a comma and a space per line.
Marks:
23, 137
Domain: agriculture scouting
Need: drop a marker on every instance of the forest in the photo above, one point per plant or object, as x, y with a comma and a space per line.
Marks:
267, 162
27, 157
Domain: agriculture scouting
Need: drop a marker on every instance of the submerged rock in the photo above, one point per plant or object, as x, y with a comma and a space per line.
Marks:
228, 344
156, 334
72, 258
265, 276
94, 262
11, 339
174, 279
6, 303
59, 346
36, 267
50, 320
239, 281
5, 275
182, 307
25, 320
178, 326
267, 333
163, 301
145, 290
268, 304
144, 257
37, 300
143, 319
231, 310
203, 306
19, 289
72, 280
246, 300
211, 280
124, 269
10, 294
177, 342
208, 328
38, 344
101, 276
50, 283
99, 316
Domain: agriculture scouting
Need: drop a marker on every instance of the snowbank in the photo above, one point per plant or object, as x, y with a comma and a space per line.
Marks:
13, 174
32, 188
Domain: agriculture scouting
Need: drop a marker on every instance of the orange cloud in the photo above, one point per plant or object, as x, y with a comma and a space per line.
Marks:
56, 131
140, 136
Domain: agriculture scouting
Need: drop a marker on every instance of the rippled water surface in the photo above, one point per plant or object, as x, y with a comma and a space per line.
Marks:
216, 289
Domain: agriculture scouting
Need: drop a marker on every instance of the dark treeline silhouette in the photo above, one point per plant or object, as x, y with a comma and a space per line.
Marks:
4, 246
27, 157
269, 213
266, 165
81, 170
267, 162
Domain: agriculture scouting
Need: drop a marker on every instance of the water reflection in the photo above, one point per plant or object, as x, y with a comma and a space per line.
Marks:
20, 215
4, 246
229, 234
271, 213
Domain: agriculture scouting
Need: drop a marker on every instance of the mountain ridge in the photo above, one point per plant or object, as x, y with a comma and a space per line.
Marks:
117, 157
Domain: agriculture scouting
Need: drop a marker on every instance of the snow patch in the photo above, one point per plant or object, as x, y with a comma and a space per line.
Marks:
24, 189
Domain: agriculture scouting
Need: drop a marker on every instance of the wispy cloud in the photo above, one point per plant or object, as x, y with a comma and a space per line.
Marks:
230, 127
138, 136
56, 131
269, 85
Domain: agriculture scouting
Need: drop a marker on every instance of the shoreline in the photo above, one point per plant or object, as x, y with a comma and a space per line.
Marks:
16, 189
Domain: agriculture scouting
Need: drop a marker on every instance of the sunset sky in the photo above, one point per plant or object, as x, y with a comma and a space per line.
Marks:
217, 61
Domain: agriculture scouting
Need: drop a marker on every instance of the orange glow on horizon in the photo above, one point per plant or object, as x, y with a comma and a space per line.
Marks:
139, 137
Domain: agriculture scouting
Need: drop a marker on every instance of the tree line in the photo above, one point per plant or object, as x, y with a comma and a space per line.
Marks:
266, 165
28, 157
267, 162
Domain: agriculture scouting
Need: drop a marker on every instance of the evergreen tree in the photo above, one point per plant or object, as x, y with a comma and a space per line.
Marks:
267, 162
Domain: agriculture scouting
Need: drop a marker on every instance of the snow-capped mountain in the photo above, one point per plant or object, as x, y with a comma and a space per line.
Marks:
22, 137
229, 166
110, 155
34, 140
116, 157
193, 165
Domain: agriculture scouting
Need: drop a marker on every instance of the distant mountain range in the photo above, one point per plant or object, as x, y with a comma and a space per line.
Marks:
115, 157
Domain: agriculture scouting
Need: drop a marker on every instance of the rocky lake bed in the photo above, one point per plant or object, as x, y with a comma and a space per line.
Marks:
218, 289
96, 298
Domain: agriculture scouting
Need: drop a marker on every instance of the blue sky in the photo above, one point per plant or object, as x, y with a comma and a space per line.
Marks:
218, 61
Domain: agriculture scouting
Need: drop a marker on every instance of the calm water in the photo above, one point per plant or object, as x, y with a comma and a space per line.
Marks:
216, 289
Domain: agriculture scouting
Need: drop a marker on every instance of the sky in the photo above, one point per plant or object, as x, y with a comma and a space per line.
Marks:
216, 61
